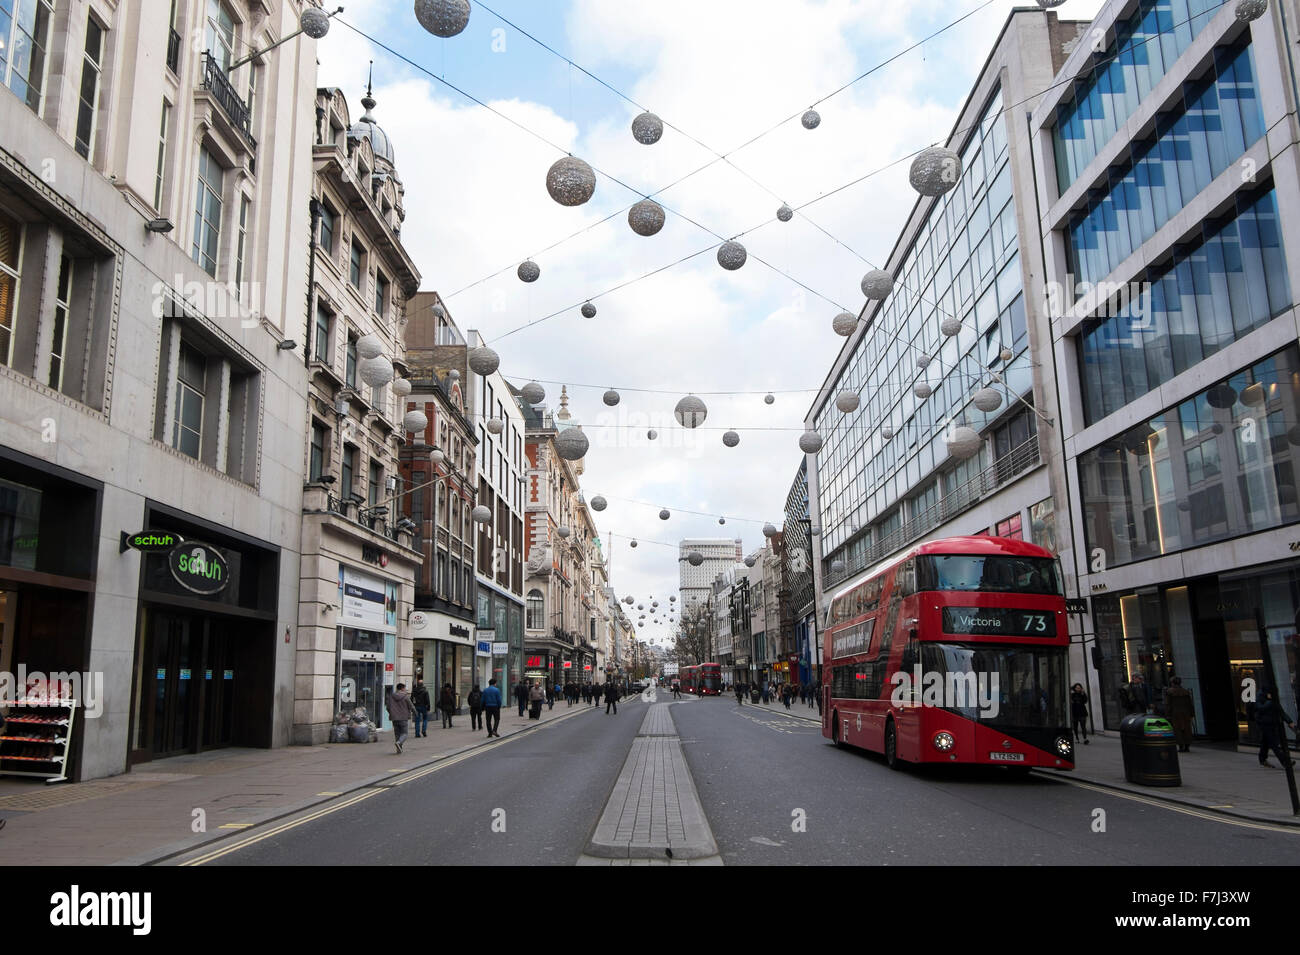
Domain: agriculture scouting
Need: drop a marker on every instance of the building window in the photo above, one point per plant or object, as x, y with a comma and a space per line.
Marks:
323, 321
536, 611
62, 304
328, 224
219, 34
11, 236
187, 433
319, 438
241, 247
350, 372
381, 293
207, 212
355, 269
160, 172
1009, 528
90, 67
25, 33
349, 469
253, 78
376, 483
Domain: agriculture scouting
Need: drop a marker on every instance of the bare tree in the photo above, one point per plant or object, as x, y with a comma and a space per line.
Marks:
693, 639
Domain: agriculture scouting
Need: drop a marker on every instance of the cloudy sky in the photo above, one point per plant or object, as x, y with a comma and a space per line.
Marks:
720, 73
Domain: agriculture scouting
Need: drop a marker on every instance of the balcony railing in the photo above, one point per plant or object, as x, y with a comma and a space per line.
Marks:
232, 104
1010, 465
173, 51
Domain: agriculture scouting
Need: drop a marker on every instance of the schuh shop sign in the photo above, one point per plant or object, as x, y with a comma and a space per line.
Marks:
199, 568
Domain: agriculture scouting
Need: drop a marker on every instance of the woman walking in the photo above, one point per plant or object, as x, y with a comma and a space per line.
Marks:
1079, 712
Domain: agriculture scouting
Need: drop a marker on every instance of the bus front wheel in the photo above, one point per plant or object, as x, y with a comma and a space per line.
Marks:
891, 747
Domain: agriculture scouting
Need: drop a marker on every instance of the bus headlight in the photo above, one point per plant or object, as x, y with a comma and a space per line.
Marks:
1064, 748
943, 741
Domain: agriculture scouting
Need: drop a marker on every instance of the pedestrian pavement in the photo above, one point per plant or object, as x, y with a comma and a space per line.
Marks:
172, 806
1227, 781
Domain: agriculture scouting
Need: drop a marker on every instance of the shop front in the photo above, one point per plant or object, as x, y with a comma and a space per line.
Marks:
1226, 635
204, 674
49, 532
540, 666
444, 652
367, 643
501, 621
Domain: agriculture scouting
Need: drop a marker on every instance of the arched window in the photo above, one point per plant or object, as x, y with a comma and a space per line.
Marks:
536, 610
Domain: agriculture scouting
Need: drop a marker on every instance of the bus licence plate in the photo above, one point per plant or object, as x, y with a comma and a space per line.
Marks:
1008, 757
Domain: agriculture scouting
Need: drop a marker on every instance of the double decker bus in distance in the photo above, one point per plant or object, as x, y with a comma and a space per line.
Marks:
955, 652
705, 679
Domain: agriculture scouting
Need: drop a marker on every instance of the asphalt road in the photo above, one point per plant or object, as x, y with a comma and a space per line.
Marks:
548, 787
760, 772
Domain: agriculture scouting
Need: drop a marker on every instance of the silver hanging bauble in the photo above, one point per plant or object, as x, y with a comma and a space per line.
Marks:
1006, 354
731, 255
923, 362
315, 22
436, 457
444, 18
612, 397
695, 558
483, 360
837, 567
844, 323
652, 434
730, 439
886, 432
964, 443
750, 561
722, 520
563, 531
640, 606
570, 181
415, 421
496, 425
950, 326
768, 399
528, 271
375, 372
769, 530
935, 171
401, 387
922, 390
647, 128
810, 442
987, 399
588, 310
1248, 10
646, 217
664, 515
690, 412
481, 514
877, 284
847, 401
438, 311
571, 444
369, 346
1049, 4
598, 503
453, 375
811, 119
533, 393
785, 213
629, 600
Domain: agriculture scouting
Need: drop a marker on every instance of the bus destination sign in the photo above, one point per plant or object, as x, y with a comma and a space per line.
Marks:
999, 622
853, 639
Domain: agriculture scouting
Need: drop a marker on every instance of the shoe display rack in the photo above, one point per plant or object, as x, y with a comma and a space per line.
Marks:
36, 738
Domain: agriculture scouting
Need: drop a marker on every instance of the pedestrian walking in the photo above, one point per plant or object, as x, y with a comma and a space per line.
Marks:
1079, 712
492, 707
475, 702
447, 703
1270, 716
677, 690
1180, 710
1136, 695
551, 693
536, 697
399, 711
521, 695
597, 693
818, 693
611, 698
740, 694
420, 700
786, 693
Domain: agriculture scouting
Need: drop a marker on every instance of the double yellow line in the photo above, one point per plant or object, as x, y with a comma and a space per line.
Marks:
1173, 807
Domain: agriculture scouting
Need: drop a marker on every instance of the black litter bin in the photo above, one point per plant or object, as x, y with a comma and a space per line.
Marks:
755, 696
1150, 751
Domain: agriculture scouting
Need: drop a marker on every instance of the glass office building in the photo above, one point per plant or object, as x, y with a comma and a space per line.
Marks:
1166, 223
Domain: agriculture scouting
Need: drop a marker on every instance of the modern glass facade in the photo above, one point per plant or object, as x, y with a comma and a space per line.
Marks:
1218, 465
1210, 295
1220, 120
1145, 47
964, 263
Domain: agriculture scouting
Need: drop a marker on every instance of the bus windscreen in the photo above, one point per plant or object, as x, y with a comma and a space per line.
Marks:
991, 573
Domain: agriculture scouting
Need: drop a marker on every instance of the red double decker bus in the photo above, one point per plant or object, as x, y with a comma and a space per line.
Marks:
955, 652
704, 679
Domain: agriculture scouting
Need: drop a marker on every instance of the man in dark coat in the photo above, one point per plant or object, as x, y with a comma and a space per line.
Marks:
1270, 716
521, 695
399, 711
420, 700
447, 703
1180, 712
611, 698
